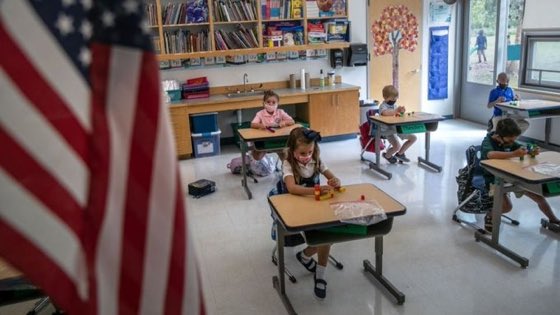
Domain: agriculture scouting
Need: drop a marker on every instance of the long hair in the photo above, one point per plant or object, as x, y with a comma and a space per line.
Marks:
302, 136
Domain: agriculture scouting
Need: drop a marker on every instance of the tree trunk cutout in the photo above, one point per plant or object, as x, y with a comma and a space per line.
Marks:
396, 28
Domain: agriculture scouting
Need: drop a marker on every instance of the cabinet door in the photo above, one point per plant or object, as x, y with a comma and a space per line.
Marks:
181, 130
334, 114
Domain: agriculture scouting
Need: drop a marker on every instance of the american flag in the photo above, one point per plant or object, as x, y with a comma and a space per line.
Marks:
91, 205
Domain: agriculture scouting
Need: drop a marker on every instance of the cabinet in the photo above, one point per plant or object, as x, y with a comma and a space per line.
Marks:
183, 29
334, 113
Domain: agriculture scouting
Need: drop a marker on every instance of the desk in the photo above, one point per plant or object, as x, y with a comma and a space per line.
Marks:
519, 174
305, 214
251, 134
13, 288
532, 109
413, 123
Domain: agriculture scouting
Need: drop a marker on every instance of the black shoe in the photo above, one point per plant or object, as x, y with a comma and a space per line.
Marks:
391, 160
311, 265
402, 157
320, 288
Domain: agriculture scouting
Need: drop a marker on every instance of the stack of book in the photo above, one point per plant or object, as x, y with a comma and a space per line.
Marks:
281, 9
196, 88
237, 39
234, 10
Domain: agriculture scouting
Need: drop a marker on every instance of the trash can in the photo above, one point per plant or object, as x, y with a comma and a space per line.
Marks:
366, 105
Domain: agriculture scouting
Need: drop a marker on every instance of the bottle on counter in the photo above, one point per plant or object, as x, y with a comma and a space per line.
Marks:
321, 79
331, 78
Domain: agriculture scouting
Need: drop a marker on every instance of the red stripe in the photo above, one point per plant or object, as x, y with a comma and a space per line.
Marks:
41, 95
142, 151
100, 153
39, 182
177, 264
39, 269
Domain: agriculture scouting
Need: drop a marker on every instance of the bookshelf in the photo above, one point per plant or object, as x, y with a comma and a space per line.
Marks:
184, 29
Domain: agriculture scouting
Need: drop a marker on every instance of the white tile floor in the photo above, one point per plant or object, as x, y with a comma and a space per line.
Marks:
434, 261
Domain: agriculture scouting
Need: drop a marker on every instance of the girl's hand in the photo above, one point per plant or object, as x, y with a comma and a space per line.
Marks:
325, 189
334, 182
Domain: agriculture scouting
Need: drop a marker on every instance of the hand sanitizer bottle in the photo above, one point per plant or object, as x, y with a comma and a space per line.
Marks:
322, 79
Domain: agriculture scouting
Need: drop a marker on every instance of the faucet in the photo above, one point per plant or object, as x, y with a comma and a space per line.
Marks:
245, 81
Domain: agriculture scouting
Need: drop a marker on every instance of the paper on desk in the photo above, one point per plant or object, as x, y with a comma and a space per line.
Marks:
361, 212
546, 168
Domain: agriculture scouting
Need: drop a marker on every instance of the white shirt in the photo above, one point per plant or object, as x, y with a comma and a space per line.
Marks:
305, 171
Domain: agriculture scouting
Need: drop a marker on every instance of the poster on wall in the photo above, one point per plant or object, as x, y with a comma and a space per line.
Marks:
438, 63
440, 12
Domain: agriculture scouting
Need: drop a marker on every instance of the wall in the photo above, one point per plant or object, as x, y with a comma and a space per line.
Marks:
441, 107
541, 14
232, 75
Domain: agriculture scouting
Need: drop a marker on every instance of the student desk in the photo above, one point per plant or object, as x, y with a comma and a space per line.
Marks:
532, 109
13, 288
408, 123
518, 174
251, 134
304, 214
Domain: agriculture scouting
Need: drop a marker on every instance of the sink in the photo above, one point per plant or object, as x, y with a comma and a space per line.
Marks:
243, 94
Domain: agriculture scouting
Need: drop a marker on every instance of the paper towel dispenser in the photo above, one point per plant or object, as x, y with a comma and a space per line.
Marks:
357, 55
337, 58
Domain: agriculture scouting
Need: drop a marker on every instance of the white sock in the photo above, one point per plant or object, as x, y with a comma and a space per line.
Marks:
320, 272
304, 257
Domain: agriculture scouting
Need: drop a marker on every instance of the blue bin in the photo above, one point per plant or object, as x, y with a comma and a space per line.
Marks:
206, 144
204, 123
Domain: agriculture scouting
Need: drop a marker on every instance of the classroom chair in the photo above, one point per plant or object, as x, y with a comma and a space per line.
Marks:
290, 240
471, 191
367, 135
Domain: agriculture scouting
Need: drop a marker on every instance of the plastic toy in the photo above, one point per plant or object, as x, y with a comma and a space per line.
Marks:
551, 226
317, 192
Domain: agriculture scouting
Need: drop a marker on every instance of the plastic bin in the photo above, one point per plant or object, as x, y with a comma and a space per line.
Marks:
174, 95
206, 144
204, 123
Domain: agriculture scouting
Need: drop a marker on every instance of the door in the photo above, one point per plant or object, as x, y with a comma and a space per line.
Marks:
479, 58
396, 56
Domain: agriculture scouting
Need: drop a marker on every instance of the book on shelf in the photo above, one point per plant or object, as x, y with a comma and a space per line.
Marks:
317, 9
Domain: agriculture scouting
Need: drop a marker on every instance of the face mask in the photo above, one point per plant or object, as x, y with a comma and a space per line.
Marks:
303, 160
271, 108
391, 102
502, 86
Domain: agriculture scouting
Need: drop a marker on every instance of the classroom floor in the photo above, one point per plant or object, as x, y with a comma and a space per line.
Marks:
434, 261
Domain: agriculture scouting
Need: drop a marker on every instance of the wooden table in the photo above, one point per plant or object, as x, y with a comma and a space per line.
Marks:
304, 214
415, 122
532, 109
14, 288
251, 134
519, 174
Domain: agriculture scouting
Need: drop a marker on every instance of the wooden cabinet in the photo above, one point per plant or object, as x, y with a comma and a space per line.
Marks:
181, 126
231, 27
334, 114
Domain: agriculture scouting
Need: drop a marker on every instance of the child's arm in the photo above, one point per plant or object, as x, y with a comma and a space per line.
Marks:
332, 180
256, 123
296, 189
506, 155
393, 112
287, 120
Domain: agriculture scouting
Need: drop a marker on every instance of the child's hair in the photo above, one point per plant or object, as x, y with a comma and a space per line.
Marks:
507, 127
302, 136
390, 91
270, 93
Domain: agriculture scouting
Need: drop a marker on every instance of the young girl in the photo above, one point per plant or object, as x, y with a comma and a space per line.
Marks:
302, 168
270, 117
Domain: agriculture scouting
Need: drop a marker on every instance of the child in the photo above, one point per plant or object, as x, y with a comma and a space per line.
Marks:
501, 145
503, 93
270, 117
302, 168
396, 152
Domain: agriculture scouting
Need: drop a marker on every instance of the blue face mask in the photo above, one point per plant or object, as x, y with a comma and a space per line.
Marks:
390, 102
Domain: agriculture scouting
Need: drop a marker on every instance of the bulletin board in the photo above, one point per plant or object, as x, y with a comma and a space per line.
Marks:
438, 63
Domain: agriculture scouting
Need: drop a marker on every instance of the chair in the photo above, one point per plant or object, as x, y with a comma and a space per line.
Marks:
367, 135
471, 192
290, 240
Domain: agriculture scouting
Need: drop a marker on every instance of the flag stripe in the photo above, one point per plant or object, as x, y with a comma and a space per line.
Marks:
119, 114
30, 129
39, 268
31, 219
177, 282
39, 93
22, 22
39, 183
138, 191
160, 220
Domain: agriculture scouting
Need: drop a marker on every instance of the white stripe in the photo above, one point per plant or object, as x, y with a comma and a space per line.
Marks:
36, 135
160, 220
122, 88
52, 236
43, 50
192, 290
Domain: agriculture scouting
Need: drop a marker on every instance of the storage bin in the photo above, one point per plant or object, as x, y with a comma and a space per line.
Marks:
204, 123
174, 95
206, 144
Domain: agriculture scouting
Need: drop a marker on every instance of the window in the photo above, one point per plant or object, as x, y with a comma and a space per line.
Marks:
513, 37
540, 64
482, 41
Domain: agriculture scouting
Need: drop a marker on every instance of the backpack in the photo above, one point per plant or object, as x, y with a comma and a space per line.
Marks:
263, 167
236, 164
482, 202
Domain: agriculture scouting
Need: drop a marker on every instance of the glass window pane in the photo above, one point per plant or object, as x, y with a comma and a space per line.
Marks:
482, 40
543, 62
514, 31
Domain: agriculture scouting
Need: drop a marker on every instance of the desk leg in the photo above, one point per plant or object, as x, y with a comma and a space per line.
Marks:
279, 282
244, 168
377, 271
547, 128
426, 160
494, 242
375, 166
